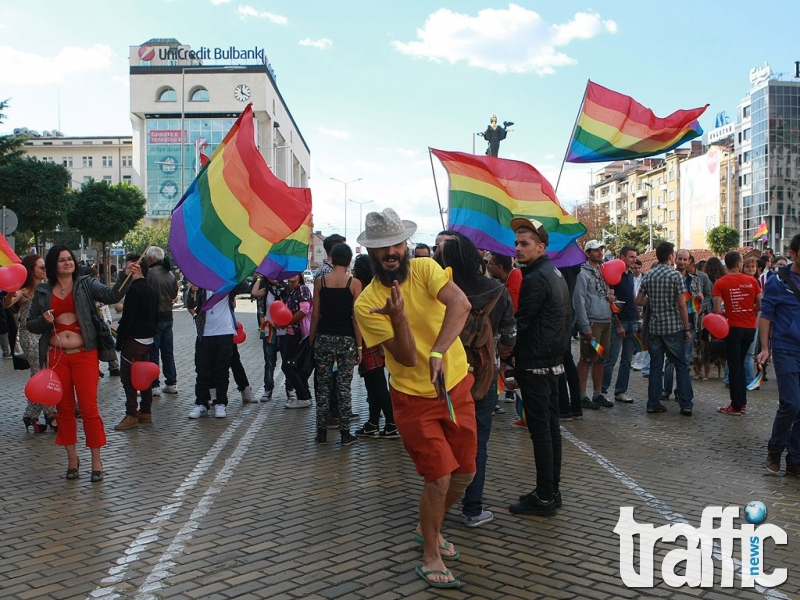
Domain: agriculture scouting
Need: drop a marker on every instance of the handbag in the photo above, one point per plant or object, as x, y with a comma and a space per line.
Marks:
106, 351
303, 360
20, 362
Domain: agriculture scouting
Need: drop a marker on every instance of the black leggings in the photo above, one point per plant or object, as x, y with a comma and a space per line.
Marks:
378, 397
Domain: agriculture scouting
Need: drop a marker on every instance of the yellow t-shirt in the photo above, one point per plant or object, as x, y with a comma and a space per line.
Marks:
425, 315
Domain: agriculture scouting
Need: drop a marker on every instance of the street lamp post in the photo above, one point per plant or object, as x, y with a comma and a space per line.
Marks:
650, 212
360, 208
345, 183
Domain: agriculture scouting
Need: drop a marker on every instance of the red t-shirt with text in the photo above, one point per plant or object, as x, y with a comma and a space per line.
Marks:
738, 291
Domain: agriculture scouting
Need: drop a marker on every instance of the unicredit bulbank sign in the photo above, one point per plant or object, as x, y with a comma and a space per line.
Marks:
232, 53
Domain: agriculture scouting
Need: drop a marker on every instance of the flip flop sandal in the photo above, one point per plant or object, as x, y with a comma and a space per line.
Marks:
421, 541
437, 584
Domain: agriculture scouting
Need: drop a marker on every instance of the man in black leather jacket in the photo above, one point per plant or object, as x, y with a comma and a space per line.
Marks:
543, 337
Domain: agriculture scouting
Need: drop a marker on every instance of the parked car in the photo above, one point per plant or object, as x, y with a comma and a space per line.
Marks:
308, 276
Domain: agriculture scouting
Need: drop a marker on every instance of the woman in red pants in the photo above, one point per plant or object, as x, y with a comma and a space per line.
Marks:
61, 310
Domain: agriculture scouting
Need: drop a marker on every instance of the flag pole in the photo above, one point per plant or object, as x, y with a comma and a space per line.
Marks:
153, 237
438, 201
572, 135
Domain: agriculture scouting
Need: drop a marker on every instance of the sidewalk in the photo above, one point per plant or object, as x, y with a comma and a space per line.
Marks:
250, 507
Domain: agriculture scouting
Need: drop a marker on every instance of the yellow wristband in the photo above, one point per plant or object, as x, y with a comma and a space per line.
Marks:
435, 354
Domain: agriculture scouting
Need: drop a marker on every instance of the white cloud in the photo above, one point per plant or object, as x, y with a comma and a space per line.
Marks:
513, 40
321, 43
248, 11
26, 68
124, 81
217, 2
335, 133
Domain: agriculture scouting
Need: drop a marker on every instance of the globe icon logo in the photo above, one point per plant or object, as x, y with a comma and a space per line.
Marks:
755, 512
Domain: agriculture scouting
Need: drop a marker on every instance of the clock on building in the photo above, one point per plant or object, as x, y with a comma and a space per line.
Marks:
241, 92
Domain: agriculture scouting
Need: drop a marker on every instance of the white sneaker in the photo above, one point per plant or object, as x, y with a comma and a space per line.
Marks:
247, 395
302, 403
266, 396
156, 391
170, 389
198, 411
623, 398
219, 411
291, 396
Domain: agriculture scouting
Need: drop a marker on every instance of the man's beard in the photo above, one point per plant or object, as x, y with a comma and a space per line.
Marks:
387, 277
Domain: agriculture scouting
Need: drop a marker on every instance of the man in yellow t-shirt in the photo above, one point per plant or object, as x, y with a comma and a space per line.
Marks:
414, 309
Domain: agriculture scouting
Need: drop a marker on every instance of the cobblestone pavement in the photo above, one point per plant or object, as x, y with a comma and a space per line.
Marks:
250, 507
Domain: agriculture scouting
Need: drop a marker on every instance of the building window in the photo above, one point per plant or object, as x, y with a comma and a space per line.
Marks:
126, 178
746, 134
660, 218
49, 159
671, 216
87, 178
672, 196
66, 161
633, 205
660, 180
108, 161
166, 94
127, 161
672, 175
745, 112
199, 94
87, 162
672, 234
107, 179
660, 198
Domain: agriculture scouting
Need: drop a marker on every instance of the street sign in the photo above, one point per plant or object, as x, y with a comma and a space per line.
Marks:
118, 252
8, 221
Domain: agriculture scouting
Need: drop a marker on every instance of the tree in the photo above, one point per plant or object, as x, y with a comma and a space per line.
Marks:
10, 145
594, 218
144, 235
39, 192
106, 213
637, 236
722, 238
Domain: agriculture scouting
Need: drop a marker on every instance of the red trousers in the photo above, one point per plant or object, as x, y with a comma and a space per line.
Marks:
78, 373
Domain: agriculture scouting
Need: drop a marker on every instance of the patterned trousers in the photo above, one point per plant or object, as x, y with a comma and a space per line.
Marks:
342, 350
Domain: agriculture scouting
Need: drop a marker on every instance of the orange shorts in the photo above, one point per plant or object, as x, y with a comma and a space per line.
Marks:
438, 446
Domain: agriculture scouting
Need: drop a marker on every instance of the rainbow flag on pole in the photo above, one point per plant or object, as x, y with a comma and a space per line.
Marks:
487, 192
761, 231
7, 255
237, 217
612, 126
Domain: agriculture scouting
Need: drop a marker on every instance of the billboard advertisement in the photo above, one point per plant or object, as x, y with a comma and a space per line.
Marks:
699, 198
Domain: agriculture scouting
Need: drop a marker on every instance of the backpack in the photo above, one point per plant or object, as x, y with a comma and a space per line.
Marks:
477, 338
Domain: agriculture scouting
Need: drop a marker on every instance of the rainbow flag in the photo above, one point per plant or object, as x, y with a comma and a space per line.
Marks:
756, 383
237, 217
638, 342
761, 231
693, 303
7, 255
612, 126
598, 347
487, 192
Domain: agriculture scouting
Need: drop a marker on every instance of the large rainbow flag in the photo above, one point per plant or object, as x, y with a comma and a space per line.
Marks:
487, 192
612, 126
762, 231
7, 255
237, 217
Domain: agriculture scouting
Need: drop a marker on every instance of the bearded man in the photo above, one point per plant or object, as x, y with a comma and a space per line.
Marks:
430, 379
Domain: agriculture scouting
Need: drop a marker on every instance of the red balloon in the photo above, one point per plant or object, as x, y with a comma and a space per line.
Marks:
44, 388
13, 277
612, 271
239, 337
717, 326
143, 374
239, 326
280, 314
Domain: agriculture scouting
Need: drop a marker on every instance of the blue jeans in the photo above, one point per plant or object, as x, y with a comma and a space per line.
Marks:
786, 427
472, 504
672, 346
737, 342
628, 348
669, 369
162, 341
270, 360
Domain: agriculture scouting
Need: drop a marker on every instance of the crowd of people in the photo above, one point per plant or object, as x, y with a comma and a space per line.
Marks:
447, 321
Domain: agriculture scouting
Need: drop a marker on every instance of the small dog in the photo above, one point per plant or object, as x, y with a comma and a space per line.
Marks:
708, 351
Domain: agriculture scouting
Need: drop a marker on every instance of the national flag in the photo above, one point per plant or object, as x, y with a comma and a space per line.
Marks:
487, 192
761, 231
7, 255
612, 126
237, 217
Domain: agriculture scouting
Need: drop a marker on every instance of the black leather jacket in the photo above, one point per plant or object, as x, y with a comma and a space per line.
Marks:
544, 318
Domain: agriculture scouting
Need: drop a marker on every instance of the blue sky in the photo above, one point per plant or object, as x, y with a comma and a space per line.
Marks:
372, 84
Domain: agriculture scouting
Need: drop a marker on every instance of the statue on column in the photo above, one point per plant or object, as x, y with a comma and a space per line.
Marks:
495, 134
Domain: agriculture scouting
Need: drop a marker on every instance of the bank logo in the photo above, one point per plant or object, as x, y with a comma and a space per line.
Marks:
695, 562
147, 52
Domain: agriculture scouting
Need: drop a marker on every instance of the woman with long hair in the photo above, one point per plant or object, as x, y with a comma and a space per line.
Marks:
29, 342
61, 310
714, 269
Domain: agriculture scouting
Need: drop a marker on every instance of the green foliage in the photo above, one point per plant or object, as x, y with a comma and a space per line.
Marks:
10, 145
722, 238
637, 236
144, 235
39, 192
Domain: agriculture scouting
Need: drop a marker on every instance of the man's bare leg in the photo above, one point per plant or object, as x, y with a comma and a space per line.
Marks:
432, 507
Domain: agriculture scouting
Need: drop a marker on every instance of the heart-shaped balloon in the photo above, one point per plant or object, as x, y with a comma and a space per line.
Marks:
143, 374
717, 326
13, 277
44, 388
612, 271
280, 314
